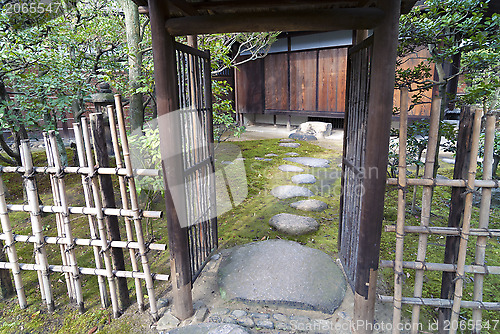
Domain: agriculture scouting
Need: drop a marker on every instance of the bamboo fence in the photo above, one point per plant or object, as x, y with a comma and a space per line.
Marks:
483, 233
96, 213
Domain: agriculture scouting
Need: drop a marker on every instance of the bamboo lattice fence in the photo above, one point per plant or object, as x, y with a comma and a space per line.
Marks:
478, 268
99, 242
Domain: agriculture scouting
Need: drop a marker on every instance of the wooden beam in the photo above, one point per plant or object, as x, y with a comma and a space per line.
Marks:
320, 20
167, 104
184, 7
377, 147
231, 5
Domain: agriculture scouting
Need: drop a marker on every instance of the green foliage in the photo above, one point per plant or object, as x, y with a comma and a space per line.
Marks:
223, 112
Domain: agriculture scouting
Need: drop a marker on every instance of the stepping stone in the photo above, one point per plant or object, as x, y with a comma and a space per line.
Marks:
448, 160
290, 168
284, 192
311, 162
309, 205
287, 140
281, 272
263, 159
290, 145
292, 154
271, 155
303, 136
293, 224
227, 162
210, 328
303, 178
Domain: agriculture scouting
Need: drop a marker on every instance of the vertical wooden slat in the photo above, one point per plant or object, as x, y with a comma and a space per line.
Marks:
432, 146
100, 219
87, 192
70, 249
398, 262
36, 225
125, 205
484, 216
134, 204
11, 247
464, 235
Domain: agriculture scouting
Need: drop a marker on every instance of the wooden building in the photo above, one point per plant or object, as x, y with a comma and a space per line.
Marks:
371, 66
303, 78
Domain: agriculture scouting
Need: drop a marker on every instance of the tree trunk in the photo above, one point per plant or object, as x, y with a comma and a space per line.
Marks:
456, 210
133, 27
108, 201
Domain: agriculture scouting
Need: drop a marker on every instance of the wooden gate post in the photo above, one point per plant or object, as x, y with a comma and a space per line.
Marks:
168, 102
375, 169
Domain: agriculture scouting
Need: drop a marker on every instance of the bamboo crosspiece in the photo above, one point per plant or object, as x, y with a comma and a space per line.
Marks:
432, 146
100, 219
70, 249
398, 263
484, 214
125, 205
11, 247
60, 230
87, 192
36, 224
135, 208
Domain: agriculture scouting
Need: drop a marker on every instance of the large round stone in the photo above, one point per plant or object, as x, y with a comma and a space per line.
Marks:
309, 205
293, 224
303, 178
311, 162
290, 168
282, 272
284, 192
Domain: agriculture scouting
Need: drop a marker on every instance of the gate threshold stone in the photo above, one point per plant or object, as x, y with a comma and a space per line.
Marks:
281, 272
210, 328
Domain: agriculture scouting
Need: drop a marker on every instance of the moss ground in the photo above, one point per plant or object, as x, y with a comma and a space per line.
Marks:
244, 223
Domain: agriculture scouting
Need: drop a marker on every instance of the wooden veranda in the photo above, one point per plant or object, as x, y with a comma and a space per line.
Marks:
170, 18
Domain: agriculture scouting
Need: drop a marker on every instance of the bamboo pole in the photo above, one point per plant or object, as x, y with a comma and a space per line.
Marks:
85, 210
70, 249
447, 183
455, 312
398, 264
432, 147
484, 216
11, 247
83, 242
443, 303
36, 225
60, 230
135, 208
448, 267
100, 220
125, 205
479, 232
85, 271
82, 161
84, 170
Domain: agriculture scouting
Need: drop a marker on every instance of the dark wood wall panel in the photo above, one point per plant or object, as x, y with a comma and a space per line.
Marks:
276, 81
332, 79
303, 80
249, 82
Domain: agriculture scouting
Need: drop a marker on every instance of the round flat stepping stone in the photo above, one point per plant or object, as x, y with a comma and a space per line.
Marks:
271, 155
282, 272
303, 136
292, 154
263, 159
287, 140
303, 178
309, 205
210, 328
290, 145
290, 168
311, 162
293, 224
284, 192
